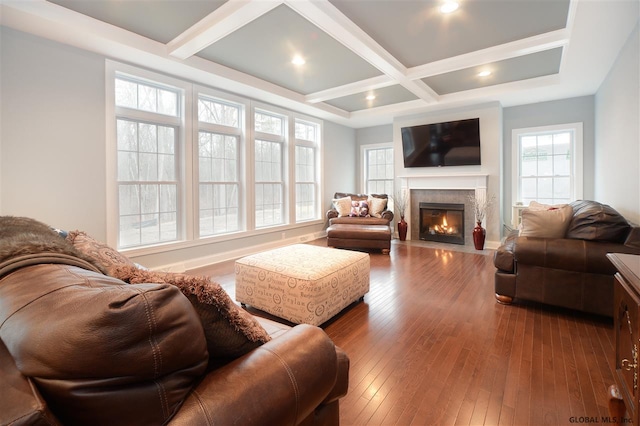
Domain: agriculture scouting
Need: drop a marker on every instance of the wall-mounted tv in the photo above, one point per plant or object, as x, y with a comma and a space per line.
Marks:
454, 143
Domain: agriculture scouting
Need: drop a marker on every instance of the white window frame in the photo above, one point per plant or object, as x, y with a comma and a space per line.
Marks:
577, 156
283, 139
188, 167
241, 133
316, 145
183, 149
364, 152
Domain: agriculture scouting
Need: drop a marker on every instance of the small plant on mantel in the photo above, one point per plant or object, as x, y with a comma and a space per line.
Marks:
481, 205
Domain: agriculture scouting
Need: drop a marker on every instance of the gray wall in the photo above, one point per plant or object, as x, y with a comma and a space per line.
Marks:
53, 147
617, 153
564, 111
340, 157
53, 133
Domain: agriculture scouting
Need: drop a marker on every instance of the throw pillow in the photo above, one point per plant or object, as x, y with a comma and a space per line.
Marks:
107, 257
534, 205
549, 223
377, 206
359, 209
229, 330
343, 206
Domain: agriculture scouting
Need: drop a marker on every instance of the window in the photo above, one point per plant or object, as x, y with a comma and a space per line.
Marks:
378, 169
269, 147
219, 166
188, 164
548, 164
147, 117
306, 178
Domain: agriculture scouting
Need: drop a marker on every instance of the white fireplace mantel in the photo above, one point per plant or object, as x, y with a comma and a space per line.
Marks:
476, 182
442, 181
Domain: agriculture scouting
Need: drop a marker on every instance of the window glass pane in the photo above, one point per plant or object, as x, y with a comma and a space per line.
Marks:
562, 188
545, 187
217, 112
546, 167
127, 135
147, 100
166, 140
126, 93
529, 188
167, 102
218, 183
127, 166
145, 97
268, 123
147, 138
305, 131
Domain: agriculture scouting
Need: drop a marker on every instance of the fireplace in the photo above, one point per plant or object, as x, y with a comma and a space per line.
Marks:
442, 222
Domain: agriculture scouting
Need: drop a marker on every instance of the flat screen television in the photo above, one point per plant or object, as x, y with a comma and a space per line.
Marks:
454, 143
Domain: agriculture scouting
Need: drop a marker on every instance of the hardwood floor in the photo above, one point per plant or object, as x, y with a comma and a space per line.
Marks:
430, 346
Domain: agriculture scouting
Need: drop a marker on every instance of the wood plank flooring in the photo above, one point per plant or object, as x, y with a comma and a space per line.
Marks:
430, 346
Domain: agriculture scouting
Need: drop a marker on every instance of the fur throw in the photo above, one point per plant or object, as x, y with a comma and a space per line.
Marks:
22, 237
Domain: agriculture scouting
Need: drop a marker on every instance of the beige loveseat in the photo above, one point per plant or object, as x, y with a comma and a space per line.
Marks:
360, 221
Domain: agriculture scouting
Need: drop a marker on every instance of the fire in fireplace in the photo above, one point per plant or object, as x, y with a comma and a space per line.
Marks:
442, 222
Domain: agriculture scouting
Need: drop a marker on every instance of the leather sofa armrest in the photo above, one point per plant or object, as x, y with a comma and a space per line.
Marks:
388, 215
331, 213
281, 382
20, 401
633, 239
503, 258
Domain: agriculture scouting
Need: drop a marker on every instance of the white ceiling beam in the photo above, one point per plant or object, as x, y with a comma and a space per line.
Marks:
231, 16
351, 89
333, 22
510, 50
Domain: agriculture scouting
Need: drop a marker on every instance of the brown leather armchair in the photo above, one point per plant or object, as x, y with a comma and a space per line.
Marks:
571, 272
81, 347
364, 232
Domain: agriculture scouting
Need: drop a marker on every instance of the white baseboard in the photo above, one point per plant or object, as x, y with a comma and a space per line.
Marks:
181, 267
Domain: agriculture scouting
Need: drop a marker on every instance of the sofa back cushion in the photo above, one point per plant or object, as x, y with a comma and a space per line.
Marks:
101, 352
598, 222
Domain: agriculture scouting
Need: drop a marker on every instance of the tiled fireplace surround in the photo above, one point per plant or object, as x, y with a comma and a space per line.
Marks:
442, 189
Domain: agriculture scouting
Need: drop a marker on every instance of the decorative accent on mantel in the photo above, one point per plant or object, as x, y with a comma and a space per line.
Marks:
475, 182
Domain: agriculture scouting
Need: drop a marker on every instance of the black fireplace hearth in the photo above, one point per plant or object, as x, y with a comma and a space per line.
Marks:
442, 222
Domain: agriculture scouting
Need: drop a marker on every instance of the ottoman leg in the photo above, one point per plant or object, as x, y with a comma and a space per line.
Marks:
385, 251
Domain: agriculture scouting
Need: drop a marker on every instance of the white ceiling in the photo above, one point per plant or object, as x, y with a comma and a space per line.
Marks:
405, 52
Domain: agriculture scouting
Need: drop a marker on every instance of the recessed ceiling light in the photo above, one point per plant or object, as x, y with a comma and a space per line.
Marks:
484, 73
298, 60
449, 6
371, 97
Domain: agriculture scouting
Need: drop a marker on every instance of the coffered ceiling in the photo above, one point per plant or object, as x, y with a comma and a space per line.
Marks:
365, 61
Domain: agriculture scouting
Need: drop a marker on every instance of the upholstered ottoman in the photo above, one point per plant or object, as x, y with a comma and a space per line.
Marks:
302, 283
359, 236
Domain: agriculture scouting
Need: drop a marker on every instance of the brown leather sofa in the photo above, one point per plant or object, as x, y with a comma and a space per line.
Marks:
360, 231
81, 347
571, 272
